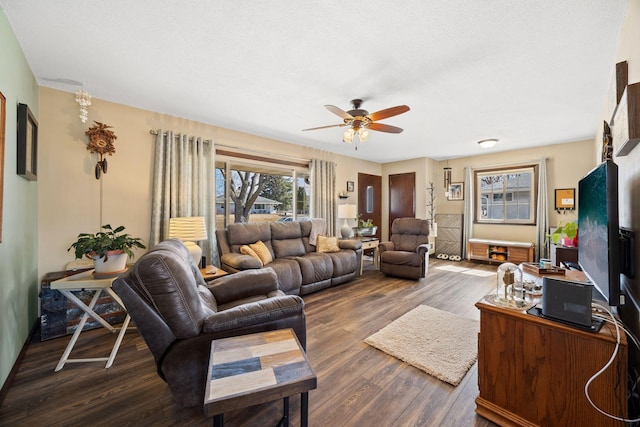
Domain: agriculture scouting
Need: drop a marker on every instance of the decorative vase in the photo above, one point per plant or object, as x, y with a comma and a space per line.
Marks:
113, 263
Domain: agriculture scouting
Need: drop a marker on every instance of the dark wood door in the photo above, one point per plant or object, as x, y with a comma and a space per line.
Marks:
402, 196
370, 199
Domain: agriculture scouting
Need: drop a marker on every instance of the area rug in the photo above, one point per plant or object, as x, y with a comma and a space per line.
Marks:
441, 344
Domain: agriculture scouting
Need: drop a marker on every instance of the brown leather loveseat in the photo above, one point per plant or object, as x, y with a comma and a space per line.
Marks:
178, 314
300, 268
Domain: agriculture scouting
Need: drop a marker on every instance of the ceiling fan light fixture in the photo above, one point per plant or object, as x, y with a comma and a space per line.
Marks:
347, 136
488, 143
363, 134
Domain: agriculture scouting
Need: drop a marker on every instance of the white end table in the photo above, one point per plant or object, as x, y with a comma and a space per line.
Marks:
370, 243
86, 282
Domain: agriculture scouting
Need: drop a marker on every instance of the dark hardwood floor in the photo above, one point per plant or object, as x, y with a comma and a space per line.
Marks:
357, 384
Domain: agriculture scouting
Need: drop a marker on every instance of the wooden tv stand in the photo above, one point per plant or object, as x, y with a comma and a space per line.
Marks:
532, 371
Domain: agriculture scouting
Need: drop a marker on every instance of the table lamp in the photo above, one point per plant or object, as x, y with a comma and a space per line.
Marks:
189, 229
345, 212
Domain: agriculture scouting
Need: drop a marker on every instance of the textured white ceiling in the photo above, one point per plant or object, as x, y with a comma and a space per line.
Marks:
530, 73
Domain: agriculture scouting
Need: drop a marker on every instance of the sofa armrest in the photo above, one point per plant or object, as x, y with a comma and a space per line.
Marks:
386, 246
240, 262
244, 284
421, 249
264, 311
353, 244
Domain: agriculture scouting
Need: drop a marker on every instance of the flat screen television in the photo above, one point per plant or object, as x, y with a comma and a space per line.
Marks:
599, 253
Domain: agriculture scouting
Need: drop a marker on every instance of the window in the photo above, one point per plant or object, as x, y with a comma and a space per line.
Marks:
506, 196
257, 192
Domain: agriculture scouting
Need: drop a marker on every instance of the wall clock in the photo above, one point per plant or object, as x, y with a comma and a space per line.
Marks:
101, 139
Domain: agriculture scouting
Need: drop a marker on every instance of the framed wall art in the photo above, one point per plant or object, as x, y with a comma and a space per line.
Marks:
350, 186
456, 191
3, 118
27, 143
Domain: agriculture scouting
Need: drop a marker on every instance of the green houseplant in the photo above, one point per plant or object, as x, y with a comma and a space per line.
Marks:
105, 245
365, 227
565, 234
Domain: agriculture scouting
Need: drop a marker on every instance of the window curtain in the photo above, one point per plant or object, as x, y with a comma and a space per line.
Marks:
467, 228
323, 184
542, 251
183, 185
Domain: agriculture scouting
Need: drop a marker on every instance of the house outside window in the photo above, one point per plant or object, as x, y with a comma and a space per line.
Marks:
506, 196
247, 192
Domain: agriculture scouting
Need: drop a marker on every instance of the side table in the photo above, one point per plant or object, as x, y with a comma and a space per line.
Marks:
86, 282
370, 243
211, 272
252, 369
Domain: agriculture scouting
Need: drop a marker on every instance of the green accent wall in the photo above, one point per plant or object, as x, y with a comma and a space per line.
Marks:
19, 245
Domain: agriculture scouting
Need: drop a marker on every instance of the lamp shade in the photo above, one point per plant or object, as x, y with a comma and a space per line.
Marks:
347, 211
188, 228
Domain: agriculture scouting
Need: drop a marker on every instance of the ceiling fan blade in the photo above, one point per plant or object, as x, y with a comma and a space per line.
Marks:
384, 128
325, 127
388, 112
339, 112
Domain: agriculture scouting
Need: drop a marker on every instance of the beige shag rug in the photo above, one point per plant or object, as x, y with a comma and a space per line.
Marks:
442, 344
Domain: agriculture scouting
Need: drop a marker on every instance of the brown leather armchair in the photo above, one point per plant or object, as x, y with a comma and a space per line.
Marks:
178, 314
407, 253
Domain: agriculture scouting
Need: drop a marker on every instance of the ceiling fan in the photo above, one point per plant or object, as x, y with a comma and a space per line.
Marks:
360, 121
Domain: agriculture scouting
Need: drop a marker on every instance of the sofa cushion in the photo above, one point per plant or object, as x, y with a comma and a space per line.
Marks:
286, 239
315, 267
289, 275
409, 259
239, 234
262, 251
327, 244
246, 250
344, 262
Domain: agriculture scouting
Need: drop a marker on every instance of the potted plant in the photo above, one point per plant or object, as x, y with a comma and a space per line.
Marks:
566, 234
365, 227
109, 248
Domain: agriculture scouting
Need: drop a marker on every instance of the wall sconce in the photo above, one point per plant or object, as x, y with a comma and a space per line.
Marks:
84, 99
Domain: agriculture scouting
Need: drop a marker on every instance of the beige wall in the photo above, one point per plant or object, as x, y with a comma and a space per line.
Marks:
566, 164
72, 201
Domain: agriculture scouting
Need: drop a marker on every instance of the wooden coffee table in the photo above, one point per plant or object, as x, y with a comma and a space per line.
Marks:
251, 369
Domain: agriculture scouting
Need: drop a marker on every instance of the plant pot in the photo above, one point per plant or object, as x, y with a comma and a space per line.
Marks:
114, 262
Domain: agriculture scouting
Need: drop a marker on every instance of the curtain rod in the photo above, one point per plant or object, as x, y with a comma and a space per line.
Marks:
155, 132
250, 150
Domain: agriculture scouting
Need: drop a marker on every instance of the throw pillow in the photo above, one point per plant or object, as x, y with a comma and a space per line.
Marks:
262, 251
327, 244
246, 250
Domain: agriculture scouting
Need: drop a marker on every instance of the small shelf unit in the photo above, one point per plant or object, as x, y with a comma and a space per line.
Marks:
500, 251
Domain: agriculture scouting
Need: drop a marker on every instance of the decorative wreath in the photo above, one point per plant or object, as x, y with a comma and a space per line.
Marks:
101, 139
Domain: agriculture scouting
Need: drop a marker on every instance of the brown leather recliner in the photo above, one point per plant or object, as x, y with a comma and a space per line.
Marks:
407, 253
178, 314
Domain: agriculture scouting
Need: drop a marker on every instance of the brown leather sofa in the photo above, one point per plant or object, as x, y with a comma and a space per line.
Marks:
178, 314
406, 255
299, 267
